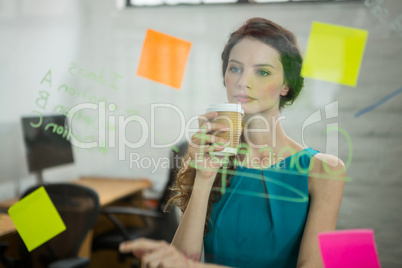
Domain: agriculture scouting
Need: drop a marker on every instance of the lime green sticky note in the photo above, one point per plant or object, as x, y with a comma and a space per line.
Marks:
36, 219
334, 53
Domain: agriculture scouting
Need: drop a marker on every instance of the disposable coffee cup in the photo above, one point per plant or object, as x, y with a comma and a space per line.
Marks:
231, 115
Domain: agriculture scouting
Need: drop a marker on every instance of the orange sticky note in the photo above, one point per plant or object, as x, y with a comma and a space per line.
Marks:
163, 58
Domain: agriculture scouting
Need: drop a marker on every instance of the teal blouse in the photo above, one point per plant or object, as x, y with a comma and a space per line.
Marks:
251, 230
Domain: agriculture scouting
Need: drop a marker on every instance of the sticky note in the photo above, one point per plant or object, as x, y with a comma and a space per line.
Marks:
36, 219
334, 53
163, 58
349, 249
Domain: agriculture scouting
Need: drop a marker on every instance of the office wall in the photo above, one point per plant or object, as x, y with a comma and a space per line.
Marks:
38, 36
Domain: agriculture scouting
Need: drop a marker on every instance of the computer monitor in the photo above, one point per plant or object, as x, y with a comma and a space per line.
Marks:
47, 142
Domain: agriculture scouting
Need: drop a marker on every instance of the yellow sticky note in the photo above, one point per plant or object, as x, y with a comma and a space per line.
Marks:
163, 58
36, 219
334, 53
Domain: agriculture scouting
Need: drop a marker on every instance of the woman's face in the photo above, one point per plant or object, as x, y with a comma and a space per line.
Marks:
254, 76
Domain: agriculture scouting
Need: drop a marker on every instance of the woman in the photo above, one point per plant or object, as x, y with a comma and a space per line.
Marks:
261, 70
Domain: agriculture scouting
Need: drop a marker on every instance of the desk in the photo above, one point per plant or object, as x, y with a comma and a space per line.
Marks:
113, 189
6, 225
109, 189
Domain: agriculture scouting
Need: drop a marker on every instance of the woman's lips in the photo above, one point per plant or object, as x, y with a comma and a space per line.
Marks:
243, 99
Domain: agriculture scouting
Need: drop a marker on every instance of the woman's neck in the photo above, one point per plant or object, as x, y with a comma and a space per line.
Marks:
264, 130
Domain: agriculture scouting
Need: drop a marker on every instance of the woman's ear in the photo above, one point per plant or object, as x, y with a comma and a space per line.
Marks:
284, 90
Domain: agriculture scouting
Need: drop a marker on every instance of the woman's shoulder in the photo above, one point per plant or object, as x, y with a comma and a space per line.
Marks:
327, 163
323, 163
326, 172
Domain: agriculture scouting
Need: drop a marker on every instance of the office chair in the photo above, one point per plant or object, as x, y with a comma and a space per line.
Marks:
160, 225
78, 206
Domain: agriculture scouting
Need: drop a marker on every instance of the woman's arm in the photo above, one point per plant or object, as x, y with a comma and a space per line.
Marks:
189, 234
160, 254
325, 199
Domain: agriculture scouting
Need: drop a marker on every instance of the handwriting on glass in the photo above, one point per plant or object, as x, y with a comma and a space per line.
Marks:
98, 78
382, 14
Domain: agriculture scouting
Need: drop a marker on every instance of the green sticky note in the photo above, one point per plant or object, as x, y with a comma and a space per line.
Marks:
334, 53
36, 219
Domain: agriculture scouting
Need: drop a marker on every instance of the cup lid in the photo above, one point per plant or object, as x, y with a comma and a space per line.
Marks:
225, 107
225, 152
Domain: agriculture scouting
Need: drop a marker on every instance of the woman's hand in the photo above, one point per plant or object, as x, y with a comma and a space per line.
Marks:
156, 254
203, 142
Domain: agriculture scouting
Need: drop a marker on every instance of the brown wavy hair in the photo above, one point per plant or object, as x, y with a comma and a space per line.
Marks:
285, 43
183, 188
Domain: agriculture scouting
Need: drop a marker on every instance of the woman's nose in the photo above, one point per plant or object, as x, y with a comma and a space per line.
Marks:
244, 81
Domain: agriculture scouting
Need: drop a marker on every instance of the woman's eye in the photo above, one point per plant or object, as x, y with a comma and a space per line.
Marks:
234, 69
263, 73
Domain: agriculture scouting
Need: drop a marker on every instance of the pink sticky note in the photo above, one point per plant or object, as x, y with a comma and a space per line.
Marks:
349, 249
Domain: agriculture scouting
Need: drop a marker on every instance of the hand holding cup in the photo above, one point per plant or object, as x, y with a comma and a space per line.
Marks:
204, 142
218, 137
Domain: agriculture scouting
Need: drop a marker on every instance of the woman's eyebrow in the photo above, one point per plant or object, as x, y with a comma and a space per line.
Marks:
236, 61
261, 65
257, 65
